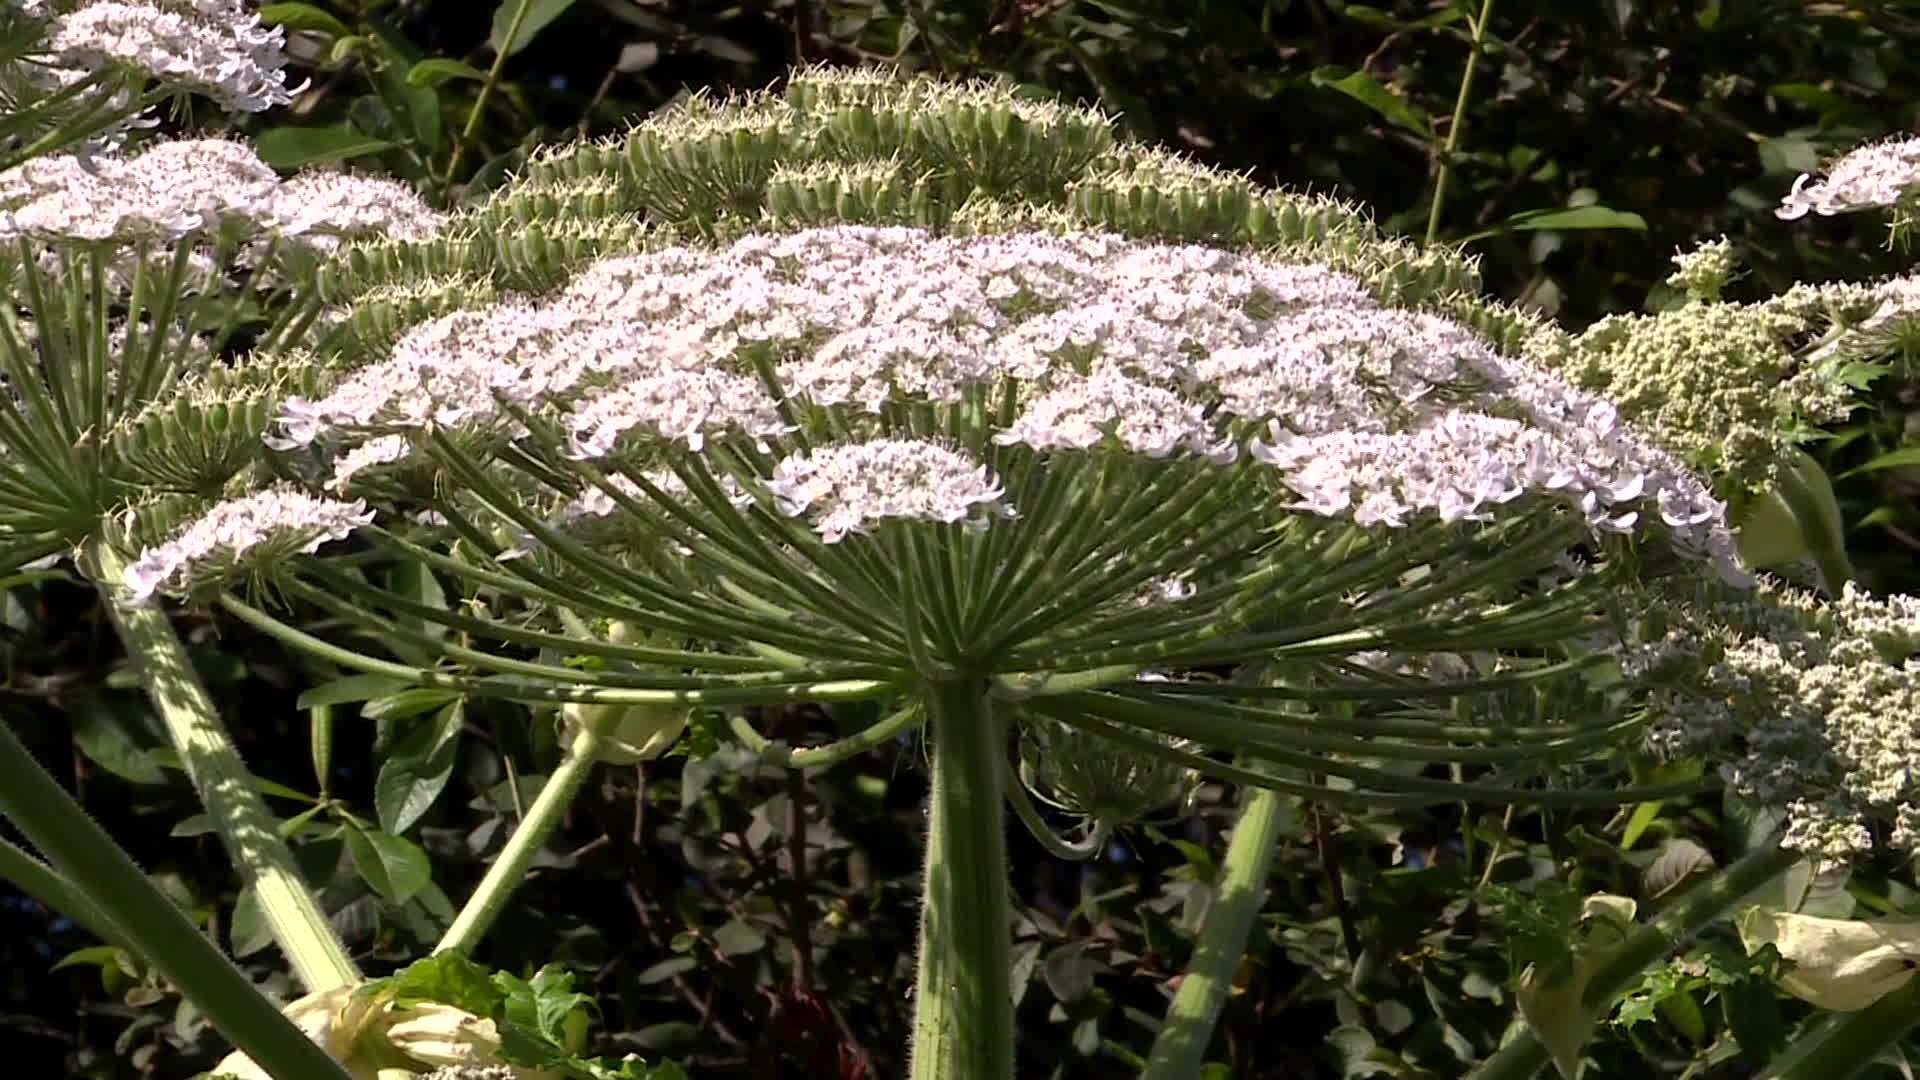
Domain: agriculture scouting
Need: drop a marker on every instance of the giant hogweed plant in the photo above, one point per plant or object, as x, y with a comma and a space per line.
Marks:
1096, 467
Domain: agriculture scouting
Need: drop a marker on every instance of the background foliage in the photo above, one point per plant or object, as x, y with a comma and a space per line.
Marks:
753, 922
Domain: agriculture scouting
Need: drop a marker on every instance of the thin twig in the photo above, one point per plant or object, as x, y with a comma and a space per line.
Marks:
486, 89
1458, 122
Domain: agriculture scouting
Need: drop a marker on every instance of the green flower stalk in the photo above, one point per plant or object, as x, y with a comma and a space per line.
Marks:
1180, 1049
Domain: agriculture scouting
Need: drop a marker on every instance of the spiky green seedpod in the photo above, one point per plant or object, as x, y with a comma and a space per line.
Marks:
380, 315
539, 256
363, 265
207, 428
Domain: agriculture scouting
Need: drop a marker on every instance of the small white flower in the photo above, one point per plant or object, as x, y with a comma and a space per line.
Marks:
851, 487
282, 519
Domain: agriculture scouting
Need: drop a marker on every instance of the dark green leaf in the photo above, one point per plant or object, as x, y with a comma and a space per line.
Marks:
416, 772
1370, 92
303, 17
440, 69
408, 703
1069, 971
737, 938
110, 729
666, 969
391, 866
351, 688
297, 147
538, 14
248, 931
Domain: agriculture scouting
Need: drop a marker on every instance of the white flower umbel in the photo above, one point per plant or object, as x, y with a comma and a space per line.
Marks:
1867, 178
168, 191
218, 48
243, 533
324, 209
849, 489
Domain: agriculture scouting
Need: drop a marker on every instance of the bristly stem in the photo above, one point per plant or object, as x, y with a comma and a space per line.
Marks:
155, 927
1458, 123
226, 788
1181, 1047
509, 867
963, 1013
1524, 1054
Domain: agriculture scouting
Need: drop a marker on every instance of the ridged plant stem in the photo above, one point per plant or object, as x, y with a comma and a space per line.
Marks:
1524, 1054
509, 868
225, 786
152, 925
1181, 1047
963, 1011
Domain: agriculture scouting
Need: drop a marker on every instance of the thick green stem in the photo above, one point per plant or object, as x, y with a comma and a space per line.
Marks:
1181, 1047
1845, 1043
509, 868
963, 1013
149, 922
50, 887
225, 786
1524, 1054
1459, 122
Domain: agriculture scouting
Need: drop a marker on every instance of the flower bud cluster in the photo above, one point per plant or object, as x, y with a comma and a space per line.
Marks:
1806, 704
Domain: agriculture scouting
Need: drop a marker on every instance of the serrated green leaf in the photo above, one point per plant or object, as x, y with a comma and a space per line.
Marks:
392, 866
448, 978
533, 1018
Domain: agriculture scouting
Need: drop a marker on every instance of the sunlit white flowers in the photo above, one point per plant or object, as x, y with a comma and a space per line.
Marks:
280, 519
1869, 177
214, 47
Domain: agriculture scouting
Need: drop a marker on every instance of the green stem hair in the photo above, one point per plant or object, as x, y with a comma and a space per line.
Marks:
1181, 1047
963, 1015
226, 788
